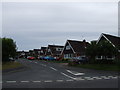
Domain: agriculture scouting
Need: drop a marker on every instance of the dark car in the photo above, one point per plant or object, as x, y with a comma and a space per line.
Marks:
41, 58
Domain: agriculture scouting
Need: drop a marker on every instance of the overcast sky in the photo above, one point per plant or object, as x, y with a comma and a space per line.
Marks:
37, 24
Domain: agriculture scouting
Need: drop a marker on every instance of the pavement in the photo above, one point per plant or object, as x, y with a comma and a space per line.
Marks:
43, 74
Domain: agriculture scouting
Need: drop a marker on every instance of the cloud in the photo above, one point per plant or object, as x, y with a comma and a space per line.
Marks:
36, 24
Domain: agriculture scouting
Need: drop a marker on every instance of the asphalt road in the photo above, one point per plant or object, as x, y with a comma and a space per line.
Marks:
42, 74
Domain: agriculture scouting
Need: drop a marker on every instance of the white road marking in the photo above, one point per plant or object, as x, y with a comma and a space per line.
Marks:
110, 76
116, 77
43, 65
72, 79
102, 76
97, 78
105, 77
113, 76
36, 81
69, 80
53, 69
87, 77
74, 72
11, 81
90, 79
67, 75
79, 79
24, 81
59, 80
48, 81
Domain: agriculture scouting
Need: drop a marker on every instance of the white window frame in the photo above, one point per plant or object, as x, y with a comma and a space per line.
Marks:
41, 51
101, 57
112, 58
67, 47
59, 49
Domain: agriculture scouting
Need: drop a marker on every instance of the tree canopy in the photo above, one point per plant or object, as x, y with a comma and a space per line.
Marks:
103, 48
8, 49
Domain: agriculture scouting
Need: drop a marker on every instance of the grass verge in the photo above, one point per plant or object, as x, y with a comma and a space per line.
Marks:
107, 67
57, 61
10, 65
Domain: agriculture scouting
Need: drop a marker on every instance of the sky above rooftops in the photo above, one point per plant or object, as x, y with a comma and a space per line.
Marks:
36, 24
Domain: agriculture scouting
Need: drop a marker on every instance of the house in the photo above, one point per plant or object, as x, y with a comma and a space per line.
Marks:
31, 52
74, 48
113, 40
54, 50
22, 54
42, 51
36, 52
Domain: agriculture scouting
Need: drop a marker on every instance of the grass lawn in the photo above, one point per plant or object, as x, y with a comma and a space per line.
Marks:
108, 67
10, 65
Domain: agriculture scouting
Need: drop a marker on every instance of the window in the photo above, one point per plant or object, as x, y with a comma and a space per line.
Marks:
99, 57
59, 49
68, 47
68, 55
41, 51
110, 57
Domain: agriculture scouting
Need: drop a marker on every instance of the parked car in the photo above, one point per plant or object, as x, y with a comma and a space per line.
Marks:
79, 60
49, 58
21, 56
41, 58
11, 59
58, 58
30, 57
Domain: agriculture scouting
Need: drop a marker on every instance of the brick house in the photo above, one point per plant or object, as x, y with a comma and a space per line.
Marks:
113, 40
42, 51
54, 50
74, 48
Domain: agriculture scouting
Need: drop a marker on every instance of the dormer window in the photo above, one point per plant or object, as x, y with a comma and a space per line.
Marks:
68, 47
59, 49
41, 51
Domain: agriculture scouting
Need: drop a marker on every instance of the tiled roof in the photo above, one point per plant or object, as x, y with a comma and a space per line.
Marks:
113, 39
78, 46
42, 48
36, 49
53, 49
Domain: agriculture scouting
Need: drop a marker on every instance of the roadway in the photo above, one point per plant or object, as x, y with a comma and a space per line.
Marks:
43, 74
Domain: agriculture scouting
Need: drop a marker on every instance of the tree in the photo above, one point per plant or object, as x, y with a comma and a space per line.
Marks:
8, 49
103, 48
91, 51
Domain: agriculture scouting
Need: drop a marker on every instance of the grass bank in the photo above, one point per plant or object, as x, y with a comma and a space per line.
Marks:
107, 67
10, 65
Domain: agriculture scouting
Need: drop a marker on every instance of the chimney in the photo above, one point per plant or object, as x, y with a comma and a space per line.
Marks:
84, 43
84, 40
